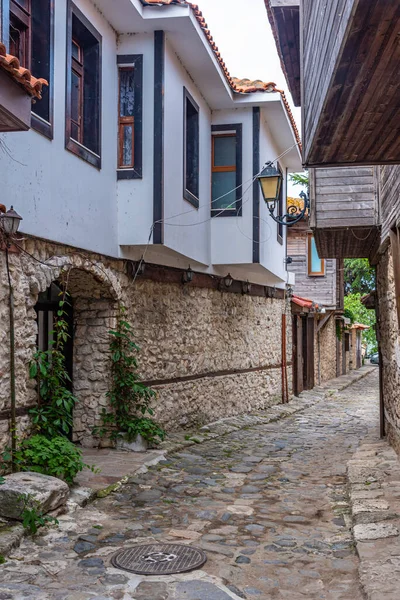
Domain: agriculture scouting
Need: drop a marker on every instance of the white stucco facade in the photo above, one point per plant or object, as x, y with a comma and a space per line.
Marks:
64, 199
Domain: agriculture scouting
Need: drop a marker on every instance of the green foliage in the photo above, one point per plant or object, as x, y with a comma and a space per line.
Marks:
359, 276
57, 457
357, 312
2, 559
32, 516
130, 399
53, 415
300, 179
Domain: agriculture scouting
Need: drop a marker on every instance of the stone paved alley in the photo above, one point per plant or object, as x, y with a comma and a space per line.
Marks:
269, 505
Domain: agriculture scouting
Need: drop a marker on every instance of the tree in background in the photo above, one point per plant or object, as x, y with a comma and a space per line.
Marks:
356, 311
299, 179
359, 276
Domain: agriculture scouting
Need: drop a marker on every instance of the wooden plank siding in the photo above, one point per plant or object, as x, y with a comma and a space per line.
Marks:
321, 289
324, 25
345, 211
285, 15
389, 199
350, 97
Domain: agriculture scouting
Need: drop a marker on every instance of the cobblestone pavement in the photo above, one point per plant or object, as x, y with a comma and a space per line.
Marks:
268, 504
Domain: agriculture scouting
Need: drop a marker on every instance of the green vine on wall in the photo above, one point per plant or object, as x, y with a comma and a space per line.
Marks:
130, 400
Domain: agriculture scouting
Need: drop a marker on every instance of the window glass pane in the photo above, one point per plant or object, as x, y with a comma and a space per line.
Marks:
75, 96
41, 45
126, 92
316, 262
222, 183
91, 97
24, 4
75, 51
127, 150
224, 151
192, 149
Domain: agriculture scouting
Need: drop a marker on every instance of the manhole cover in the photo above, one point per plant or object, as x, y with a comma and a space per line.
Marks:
159, 559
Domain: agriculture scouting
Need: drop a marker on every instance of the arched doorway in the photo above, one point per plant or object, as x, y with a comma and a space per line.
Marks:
91, 313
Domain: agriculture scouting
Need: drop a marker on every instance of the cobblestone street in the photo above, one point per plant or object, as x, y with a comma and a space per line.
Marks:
268, 504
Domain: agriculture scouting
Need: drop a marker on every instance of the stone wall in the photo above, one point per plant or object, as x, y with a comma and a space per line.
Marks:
208, 353
389, 342
325, 352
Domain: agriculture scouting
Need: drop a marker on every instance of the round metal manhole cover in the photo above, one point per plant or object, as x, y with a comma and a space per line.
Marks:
159, 559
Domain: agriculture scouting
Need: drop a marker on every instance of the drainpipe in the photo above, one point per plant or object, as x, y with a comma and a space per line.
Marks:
13, 421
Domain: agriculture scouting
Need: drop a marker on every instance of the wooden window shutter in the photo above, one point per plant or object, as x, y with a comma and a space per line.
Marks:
395, 243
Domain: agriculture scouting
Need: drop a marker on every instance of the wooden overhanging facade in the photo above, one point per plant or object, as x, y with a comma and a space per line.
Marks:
345, 211
349, 56
284, 16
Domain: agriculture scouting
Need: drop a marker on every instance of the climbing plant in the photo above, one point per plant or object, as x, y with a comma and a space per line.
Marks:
130, 399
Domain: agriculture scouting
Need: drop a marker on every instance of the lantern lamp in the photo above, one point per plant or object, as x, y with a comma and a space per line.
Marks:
10, 221
270, 180
228, 280
187, 276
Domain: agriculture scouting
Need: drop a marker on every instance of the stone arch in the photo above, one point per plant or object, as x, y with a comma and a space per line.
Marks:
95, 294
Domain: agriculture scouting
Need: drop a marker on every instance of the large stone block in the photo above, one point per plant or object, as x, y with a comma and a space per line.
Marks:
44, 492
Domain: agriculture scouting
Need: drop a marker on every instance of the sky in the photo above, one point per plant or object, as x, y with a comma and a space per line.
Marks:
242, 32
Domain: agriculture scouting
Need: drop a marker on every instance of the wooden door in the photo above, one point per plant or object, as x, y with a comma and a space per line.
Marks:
297, 355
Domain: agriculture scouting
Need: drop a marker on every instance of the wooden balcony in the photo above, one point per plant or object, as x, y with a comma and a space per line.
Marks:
351, 93
344, 211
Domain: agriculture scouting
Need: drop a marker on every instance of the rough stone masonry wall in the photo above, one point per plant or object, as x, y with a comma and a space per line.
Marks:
325, 352
208, 354
390, 347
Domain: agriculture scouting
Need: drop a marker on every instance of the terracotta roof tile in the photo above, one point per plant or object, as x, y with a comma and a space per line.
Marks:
10, 64
304, 302
239, 86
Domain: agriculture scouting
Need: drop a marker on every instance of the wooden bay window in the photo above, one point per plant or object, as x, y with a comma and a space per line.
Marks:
130, 78
31, 40
191, 149
316, 265
83, 97
226, 167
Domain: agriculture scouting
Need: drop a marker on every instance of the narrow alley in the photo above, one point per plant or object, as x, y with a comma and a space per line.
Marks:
269, 505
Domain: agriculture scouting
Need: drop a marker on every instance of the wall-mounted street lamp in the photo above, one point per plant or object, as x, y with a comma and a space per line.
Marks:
270, 180
9, 222
187, 276
246, 287
140, 267
228, 280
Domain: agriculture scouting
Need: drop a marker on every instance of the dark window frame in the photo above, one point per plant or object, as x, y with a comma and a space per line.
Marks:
22, 19
281, 208
238, 129
192, 198
136, 62
38, 123
72, 145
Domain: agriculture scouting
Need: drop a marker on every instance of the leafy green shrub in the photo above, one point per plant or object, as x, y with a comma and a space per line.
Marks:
130, 399
57, 457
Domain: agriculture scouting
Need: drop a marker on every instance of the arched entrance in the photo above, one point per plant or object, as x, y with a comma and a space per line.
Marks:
91, 315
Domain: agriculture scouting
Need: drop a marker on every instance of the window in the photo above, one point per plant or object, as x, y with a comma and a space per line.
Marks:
191, 149
281, 208
316, 265
226, 170
130, 116
83, 100
31, 40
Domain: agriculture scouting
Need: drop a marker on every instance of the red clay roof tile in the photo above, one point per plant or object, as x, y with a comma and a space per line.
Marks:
239, 86
10, 64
